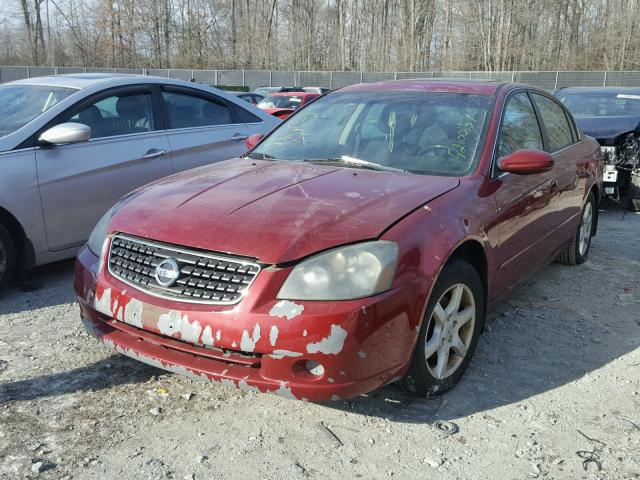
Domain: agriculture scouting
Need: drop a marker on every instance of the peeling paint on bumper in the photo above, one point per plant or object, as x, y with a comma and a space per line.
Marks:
236, 346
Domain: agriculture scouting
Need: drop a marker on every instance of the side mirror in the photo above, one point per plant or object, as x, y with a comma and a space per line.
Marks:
253, 140
526, 162
65, 133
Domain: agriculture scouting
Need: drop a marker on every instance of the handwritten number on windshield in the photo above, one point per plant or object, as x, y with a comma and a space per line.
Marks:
464, 129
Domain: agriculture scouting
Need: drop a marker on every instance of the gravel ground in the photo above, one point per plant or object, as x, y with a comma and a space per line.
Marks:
553, 392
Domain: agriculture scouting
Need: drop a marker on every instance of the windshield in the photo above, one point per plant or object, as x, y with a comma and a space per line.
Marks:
19, 104
420, 132
602, 104
280, 101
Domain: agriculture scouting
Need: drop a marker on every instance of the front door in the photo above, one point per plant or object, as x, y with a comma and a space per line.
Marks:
79, 182
526, 203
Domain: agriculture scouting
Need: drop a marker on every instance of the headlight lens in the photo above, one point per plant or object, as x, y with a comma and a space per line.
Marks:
344, 273
99, 233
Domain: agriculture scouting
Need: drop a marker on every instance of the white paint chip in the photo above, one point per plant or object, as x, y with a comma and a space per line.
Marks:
173, 323
273, 335
207, 336
286, 308
248, 343
279, 354
331, 345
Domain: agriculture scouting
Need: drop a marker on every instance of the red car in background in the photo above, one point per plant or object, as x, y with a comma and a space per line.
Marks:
358, 243
284, 104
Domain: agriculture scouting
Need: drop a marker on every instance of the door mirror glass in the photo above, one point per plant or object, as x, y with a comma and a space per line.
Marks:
66, 133
526, 162
253, 140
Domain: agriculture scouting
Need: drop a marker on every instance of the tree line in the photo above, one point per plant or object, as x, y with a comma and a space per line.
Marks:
370, 35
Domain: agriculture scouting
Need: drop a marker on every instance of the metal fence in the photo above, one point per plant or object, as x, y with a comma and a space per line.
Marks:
258, 78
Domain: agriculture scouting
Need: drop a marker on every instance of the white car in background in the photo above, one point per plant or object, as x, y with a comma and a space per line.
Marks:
72, 145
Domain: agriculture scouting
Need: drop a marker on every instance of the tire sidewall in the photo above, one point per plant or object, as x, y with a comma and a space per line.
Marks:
10, 249
583, 258
419, 380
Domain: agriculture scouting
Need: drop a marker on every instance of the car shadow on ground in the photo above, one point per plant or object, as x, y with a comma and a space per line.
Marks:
42, 287
560, 325
103, 374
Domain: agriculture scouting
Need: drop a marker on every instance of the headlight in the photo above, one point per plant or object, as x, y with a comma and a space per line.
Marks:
99, 233
343, 273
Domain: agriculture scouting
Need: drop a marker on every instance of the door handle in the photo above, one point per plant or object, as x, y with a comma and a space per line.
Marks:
154, 153
238, 136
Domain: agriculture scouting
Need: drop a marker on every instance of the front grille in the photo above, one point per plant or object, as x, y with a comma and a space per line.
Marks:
201, 277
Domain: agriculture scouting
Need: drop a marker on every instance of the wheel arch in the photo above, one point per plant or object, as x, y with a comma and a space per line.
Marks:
24, 248
472, 252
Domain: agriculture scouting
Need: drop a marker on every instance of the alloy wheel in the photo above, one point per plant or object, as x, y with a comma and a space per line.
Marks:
585, 229
450, 331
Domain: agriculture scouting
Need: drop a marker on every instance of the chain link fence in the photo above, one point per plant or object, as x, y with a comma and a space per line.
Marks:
258, 78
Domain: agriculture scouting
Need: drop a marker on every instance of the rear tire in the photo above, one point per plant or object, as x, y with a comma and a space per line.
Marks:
7, 257
633, 205
578, 250
449, 332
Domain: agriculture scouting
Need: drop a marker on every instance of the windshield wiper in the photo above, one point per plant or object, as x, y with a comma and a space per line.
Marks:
357, 162
260, 156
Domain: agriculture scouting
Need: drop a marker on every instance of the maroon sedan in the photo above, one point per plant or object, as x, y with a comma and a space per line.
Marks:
359, 243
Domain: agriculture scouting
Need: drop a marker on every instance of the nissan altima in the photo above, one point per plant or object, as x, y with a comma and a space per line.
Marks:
357, 244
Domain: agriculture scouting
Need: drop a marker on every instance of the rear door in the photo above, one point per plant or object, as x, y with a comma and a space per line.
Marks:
79, 182
202, 128
570, 157
526, 203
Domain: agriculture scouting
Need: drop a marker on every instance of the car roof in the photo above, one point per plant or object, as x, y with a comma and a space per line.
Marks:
578, 90
84, 80
481, 87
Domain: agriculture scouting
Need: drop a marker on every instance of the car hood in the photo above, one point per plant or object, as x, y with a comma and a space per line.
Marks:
274, 211
607, 128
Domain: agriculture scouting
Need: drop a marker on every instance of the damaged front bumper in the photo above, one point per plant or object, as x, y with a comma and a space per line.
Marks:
315, 351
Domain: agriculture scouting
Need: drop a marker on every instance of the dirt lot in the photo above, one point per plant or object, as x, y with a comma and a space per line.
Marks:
553, 392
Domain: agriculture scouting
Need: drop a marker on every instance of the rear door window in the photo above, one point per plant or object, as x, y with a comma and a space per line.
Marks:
189, 111
556, 124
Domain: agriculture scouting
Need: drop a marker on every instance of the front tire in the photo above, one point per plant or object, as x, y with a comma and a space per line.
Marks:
7, 257
578, 250
449, 332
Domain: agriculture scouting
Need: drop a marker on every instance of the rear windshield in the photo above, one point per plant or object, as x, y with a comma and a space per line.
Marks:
430, 133
602, 104
280, 101
20, 104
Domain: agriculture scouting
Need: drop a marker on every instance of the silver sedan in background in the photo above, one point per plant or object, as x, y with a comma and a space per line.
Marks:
72, 145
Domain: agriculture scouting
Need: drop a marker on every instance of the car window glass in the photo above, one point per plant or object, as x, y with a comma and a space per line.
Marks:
431, 133
20, 104
281, 101
117, 115
594, 104
519, 129
555, 123
244, 115
188, 111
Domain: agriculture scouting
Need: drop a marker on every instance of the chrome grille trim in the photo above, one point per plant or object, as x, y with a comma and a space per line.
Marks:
205, 278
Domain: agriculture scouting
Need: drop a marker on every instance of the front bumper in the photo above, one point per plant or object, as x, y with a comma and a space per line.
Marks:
260, 344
